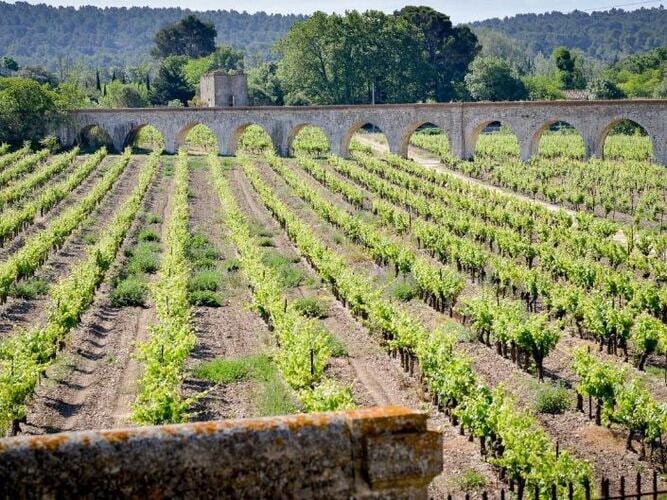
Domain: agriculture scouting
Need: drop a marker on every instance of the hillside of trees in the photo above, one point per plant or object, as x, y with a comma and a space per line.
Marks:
59, 37
54, 37
606, 36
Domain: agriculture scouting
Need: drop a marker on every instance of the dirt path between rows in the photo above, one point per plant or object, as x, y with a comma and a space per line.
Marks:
231, 331
93, 384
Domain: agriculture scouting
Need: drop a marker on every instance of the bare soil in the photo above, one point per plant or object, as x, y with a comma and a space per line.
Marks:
231, 331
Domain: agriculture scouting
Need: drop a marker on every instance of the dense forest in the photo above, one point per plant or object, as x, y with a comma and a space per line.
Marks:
606, 36
57, 37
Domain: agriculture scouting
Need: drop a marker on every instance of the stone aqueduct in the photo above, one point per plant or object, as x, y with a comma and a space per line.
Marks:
462, 122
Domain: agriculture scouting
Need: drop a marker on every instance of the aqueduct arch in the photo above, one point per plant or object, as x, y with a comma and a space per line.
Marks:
413, 127
655, 138
542, 129
462, 122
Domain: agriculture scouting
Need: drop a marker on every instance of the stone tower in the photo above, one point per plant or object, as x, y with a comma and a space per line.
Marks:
220, 90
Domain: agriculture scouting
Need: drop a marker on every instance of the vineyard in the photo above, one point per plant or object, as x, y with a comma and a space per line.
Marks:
523, 306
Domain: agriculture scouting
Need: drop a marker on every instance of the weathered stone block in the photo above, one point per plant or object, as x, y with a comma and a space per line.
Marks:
328, 455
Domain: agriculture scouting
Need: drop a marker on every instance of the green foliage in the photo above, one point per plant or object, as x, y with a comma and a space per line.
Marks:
148, 235
171, 83
316, 68
189, 37
543, 87
604, 35
649, 334
275, 398
29, 289
405, 291
223, 371
124, 95
122, 36
492, 79
26, 355
312, 307
526, 452
206, 279
569, 64
143, 258
641, 75
311, 141
149, 138
9, 63
552, 399
26, 108
264, 86
327, 396
226, 371
131, 291
224, 58
604, 88
201, 139
205, 298
172, 336
469, 480
255, 139
448, 49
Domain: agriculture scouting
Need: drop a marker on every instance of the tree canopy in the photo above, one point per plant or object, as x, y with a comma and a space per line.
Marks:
448, 50
493, 79
189, 37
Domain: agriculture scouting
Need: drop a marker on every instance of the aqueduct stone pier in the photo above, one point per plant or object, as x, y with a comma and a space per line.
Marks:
462, 122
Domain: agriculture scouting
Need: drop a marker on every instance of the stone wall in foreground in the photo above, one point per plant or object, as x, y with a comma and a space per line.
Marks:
372, 453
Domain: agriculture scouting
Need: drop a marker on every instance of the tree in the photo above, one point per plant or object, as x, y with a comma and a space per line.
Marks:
225, 58
69, 96
604, 88
569, 65
125, 95
543, 87
38, 74
9, 63
333, 59
264, 86
171, 83
189, 37
26, 107
448, 50
492, 79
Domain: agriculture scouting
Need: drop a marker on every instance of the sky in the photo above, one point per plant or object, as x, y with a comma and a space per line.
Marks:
459, 10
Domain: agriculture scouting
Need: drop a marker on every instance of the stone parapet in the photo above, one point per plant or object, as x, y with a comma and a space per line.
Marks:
371, 453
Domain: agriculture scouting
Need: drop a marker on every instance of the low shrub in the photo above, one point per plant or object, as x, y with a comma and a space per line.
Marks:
206, 298
143, 259
129, 292
404, 291
148, 235
312, 307
552, 399
206, 279
29, 289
